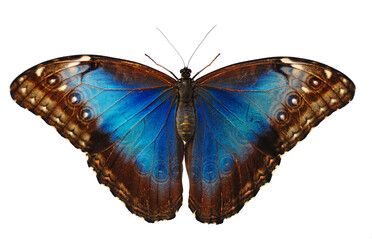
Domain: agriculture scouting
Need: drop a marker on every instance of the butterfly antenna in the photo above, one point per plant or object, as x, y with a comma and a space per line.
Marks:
161, 66
172, 46
206, 66
199, 46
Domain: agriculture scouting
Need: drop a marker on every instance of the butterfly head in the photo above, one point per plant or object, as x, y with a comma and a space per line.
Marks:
185, 72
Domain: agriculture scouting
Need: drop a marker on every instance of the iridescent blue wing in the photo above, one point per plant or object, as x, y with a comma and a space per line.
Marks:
122, 114
247, 115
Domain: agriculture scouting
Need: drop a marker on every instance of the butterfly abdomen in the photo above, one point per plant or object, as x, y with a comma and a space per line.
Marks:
185, 120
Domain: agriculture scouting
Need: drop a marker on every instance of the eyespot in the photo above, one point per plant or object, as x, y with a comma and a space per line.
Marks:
86, 114
53, 80
210, 172
293, 100
74, 98
160, 172
143, 165
226, 165
281, 116
315, 82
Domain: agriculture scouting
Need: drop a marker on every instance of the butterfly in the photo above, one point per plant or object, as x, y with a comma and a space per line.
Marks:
136, 125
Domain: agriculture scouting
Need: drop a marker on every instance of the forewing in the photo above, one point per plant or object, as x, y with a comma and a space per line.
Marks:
247, 115
122, 114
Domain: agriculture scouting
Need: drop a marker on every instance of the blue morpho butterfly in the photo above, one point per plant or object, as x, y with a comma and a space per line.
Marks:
133, 121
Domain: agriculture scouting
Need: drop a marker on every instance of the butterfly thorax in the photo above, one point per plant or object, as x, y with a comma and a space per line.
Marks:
185, 119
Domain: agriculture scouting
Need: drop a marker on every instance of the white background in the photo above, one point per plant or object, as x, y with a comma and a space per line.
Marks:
322, 189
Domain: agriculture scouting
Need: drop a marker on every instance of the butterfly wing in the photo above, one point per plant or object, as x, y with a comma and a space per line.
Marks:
248, 114
122, 115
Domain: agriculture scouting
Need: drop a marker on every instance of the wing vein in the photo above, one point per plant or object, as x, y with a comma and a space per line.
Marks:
257, 135
122, 139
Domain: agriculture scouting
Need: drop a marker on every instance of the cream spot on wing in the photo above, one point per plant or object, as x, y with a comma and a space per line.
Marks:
305, 89
322, 109
342, 91
51, 81
23, 90
294, 101
21, 79
333, 101
286, 60
72, 64
282, 116
328, 73
84, 58
344, 80
43, 108
62, 88
39, 71
32, 100
85, 115
56, 120
298, 66
73, 99
71, 133
82, 143
295, 135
